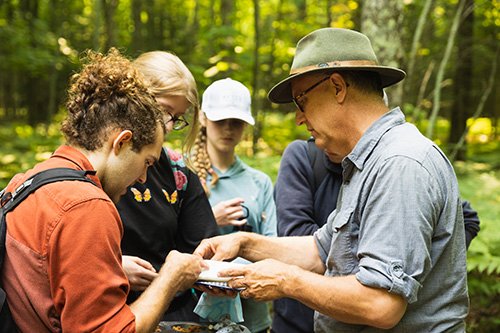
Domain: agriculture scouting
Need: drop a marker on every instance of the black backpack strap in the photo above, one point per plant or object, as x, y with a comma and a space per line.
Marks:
316, 157
9, 200
42, 178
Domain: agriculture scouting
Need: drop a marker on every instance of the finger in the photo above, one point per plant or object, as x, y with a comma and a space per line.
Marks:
238, 223
237, 283
211, 290
144, 263
204, 265
201, 288
232, 272
147, 275
221, 292
235, 211
230, 293
204, 251
220, 256
235, 201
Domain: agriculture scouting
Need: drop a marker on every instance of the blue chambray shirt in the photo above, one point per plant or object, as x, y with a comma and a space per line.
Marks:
399, 226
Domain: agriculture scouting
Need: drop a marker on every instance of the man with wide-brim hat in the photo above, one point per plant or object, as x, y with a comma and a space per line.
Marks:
392, 254
321, 52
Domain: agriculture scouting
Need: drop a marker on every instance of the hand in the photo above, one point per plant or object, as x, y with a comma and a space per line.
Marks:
185, 268
140, 273
214, 291
229, 212
263, 280
224, 247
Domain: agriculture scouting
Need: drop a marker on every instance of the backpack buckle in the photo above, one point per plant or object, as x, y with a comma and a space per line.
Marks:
5, 197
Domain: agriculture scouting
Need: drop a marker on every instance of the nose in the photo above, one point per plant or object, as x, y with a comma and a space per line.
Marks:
299, 117
142, 178
228, 124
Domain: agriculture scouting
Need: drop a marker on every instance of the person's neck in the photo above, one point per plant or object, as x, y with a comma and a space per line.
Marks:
221, 160
363, 114
97, 159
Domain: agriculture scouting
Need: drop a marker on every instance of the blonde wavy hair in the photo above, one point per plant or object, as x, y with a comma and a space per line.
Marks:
201, 160
168, 76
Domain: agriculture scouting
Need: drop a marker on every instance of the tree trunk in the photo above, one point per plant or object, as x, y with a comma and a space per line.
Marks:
441, 70
302, 10
329, 18
256, 105
381, 22
462, 83
35, 84
356, 16
227, 11
135, 12
109, 9
480, 106
422, 20
151, 31
271, 62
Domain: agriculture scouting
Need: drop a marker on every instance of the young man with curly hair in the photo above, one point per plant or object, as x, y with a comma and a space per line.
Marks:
62, 269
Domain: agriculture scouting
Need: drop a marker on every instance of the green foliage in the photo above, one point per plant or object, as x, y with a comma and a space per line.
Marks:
23, 146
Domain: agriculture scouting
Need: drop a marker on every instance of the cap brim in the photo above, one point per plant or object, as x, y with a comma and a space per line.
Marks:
228, 113
281, 93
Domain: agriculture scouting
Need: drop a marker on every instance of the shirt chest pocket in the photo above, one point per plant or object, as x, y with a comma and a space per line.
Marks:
341, 258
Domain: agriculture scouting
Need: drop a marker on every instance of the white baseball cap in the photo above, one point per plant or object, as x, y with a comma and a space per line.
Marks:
227, 99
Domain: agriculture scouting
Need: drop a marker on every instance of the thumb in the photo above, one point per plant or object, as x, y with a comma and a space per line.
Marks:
146, 264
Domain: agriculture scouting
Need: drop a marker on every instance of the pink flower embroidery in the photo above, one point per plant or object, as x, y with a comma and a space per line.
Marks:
174, 156
180, 179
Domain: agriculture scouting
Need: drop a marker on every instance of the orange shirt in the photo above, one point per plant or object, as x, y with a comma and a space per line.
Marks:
62, 269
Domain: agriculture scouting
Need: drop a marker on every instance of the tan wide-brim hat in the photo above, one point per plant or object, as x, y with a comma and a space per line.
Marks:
331, 50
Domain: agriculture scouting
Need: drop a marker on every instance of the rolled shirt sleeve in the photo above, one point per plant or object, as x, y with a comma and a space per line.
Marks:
397, 228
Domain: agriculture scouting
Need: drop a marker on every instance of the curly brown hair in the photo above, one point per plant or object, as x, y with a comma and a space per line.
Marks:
109, 94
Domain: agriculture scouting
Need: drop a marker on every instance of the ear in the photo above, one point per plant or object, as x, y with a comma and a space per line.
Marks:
340, 86
120, 140
203, 118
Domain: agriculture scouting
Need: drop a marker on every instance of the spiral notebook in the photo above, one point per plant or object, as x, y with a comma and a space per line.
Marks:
211, 278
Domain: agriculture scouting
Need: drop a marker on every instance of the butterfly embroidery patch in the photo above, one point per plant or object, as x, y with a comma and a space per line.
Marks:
141, 197
172, 198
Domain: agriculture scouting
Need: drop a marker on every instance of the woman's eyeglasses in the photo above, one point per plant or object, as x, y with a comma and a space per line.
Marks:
179, 122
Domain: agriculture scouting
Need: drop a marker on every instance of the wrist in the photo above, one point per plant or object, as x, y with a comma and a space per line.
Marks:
291, 286
245, 241
171, 277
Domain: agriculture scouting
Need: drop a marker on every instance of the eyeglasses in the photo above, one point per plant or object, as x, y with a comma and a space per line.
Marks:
179, 122
298, 99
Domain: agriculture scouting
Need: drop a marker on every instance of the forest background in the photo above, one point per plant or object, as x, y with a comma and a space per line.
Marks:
449, 49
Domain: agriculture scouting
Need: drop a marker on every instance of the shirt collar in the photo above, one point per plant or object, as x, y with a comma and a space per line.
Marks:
372, 136
76, 157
